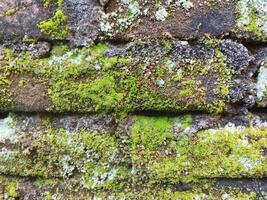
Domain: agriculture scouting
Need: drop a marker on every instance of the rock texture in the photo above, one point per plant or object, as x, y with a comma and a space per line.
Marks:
133, 99
169, 76
104, 153
74, 21
186, 19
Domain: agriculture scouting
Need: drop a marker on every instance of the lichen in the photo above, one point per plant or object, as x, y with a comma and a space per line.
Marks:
156, 154
130, 13
161, 14
253, 17
262, 82
7, 130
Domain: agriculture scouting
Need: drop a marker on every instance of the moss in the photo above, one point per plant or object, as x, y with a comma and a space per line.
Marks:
45, 182
197, 194
59, 49
21, 83
101, 93
10, 12
166, 157
47, 196
73, 190
12, 189
151, 133
29, 40
159, 72
48, 2
98, 50
85, 80
55, 27
186, 122
93, 157
5, 96
157, 154
167, 45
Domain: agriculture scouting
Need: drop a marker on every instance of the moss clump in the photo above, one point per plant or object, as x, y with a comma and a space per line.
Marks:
12, 189
85, 80
94, 158
197, 193
5, 96
48, 2
10, 12
100, 93
165, 156
151, 133
55, 27
157, 154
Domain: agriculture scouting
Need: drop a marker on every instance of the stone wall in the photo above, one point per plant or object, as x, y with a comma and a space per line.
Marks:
133, 99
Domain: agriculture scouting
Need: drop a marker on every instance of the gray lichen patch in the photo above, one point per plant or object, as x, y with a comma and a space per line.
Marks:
253, 18
130, 13
7, 130
261, 85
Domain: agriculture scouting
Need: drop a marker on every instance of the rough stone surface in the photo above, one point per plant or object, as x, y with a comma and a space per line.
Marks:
96, 153
186, 20
21, 18
171, 76
133, 99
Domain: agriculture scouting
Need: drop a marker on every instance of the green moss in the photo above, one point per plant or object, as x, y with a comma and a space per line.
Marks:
21, 83
73, 190
186, 122
98, 50
166, 157
29, 40
12, 189
101, 93
48, 2
159, 72
107, 63
5, 96
10, 12
151, 133
156, 154
167, 45
59, 50
47, 196
55, 27
85, 80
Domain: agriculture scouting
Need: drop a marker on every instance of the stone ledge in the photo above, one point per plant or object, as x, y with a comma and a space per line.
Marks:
172, 76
